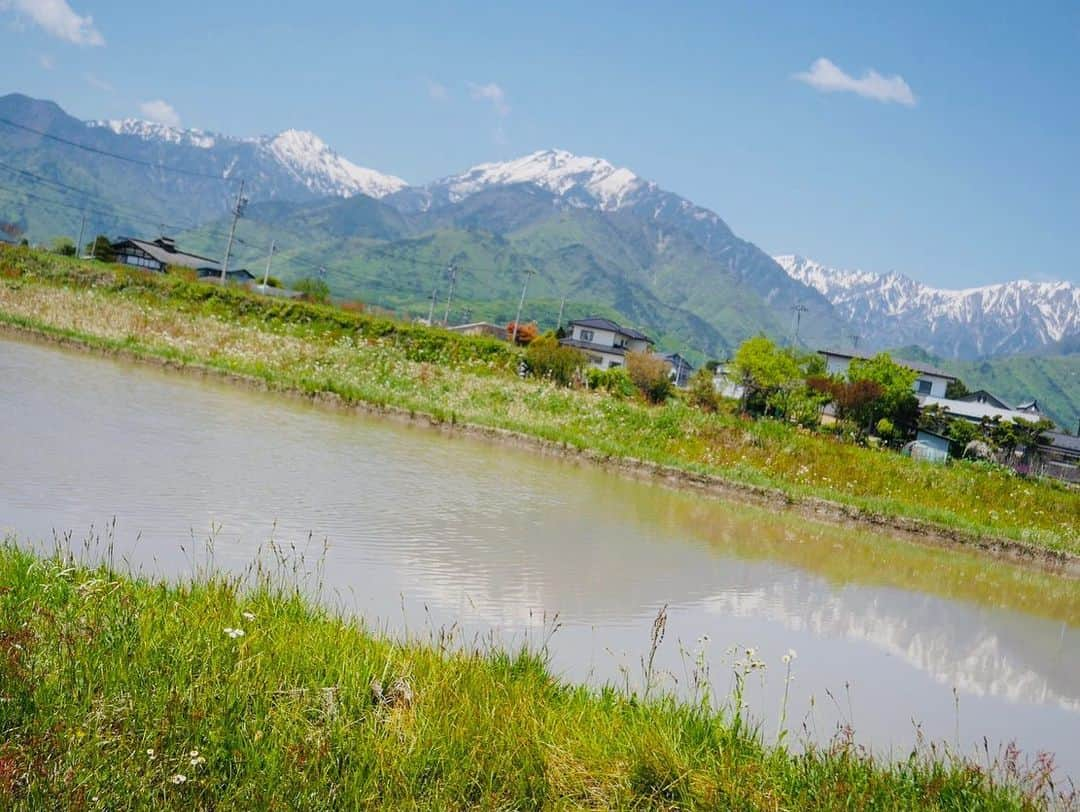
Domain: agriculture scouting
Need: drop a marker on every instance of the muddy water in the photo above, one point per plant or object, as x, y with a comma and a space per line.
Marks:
417, 531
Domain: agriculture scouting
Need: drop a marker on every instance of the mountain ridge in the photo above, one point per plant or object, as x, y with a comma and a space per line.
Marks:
892, 309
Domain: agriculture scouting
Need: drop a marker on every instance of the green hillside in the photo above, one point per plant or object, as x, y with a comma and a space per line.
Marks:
656, 278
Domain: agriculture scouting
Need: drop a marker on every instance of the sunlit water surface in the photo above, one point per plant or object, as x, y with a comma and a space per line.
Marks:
417, 531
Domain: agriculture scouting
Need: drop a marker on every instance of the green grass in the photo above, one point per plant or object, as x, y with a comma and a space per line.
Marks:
120, 693
377, 361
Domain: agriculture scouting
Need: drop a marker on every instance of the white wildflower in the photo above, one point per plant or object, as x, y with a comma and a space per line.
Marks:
179, 778
248, 615
234, 633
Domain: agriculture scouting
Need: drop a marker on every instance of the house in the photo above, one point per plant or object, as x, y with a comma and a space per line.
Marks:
480, 328
931, 382
976, 411
159, 254
1059, 457
681, 369
604, 342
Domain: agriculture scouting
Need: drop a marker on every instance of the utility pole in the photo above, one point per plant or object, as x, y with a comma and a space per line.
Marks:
562, 304
269, 259
798, 309
521, 303
78, 242
452, 270
238, 210
431, 310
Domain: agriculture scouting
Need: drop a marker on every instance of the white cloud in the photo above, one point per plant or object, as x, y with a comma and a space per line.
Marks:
57, 18
161, 112
491, 92
437, 91
97, 83
47, 62
828, 78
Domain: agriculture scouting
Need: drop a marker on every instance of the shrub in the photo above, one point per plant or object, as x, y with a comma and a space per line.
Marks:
547, 358
526, 333
180, 272
702, 390
614, 380
64, 247
650, 374
314, 290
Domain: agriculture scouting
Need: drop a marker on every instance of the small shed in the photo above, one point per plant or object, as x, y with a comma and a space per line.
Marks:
930, 446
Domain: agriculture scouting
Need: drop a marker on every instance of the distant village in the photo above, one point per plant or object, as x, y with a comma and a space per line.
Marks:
606, 344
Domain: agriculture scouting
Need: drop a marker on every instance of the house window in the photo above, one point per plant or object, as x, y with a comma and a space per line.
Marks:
586, 335
923, 386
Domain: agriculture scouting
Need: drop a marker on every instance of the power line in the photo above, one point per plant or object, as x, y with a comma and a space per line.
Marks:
125, 158
64, 187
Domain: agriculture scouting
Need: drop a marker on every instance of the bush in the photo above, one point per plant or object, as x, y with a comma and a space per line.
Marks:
526, 333
651, 375
614, 380
702, 390
314, 290
547, 358
64, 247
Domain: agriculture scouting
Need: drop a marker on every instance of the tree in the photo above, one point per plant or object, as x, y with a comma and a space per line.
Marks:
897, 401
764, 369
1020, 433
650, 374
955, 390
315, 290
101, 249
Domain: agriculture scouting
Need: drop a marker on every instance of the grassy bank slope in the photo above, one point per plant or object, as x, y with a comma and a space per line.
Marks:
374, 361
119, 693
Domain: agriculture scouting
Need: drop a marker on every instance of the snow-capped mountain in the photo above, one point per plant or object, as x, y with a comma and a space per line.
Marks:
890, 310
303, 155
579, 180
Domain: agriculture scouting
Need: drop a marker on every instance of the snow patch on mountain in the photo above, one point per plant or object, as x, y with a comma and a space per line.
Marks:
303, 155
152, 131
560, 172
892, 309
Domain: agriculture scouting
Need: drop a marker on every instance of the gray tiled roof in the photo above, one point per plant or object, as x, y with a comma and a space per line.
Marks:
171, 257
599, 323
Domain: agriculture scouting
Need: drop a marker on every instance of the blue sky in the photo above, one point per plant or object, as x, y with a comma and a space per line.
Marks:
957, 161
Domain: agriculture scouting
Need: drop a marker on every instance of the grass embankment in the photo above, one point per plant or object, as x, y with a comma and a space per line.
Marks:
118, 693
363, 359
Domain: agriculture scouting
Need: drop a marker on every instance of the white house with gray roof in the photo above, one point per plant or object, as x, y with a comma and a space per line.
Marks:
932, 382
604, 342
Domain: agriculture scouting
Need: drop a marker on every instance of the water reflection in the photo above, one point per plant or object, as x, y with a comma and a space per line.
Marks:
424, 530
